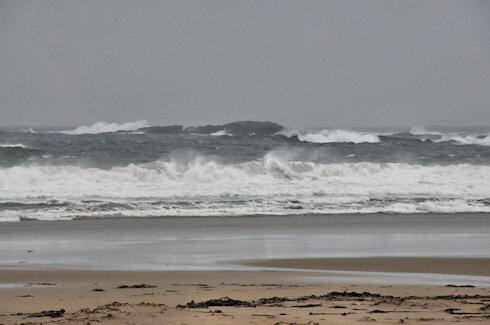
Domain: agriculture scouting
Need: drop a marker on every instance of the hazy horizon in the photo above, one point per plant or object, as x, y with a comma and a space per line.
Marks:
300, 64
68, 127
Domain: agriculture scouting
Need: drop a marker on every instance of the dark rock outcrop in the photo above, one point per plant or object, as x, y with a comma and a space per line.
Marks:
235, 128
168, 129
205, 129
239, 128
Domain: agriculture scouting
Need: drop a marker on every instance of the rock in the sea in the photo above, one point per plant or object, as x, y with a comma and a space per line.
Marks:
238, 128
235, 128
205, 129
168, 129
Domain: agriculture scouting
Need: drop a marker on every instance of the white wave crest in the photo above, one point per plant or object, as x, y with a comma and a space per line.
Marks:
388, 178
12, 145
104, 127
420, 130
334, 135
466, 139
459, 138
269, 176
29, 130
220, 133
266, 186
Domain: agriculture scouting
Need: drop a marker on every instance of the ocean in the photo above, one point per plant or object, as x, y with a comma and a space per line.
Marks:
110, 170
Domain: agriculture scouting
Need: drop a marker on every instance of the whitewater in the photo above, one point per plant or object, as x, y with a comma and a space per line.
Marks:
116, 170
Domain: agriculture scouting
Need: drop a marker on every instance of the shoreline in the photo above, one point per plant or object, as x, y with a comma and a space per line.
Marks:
380, 214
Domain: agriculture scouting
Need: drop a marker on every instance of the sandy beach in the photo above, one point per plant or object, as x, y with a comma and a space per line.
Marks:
237, 297
389, 269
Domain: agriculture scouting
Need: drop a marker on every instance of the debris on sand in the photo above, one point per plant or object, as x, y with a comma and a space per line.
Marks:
136, 286
48, 313
225, 301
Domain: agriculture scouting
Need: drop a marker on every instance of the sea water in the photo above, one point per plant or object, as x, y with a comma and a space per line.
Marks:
110, 170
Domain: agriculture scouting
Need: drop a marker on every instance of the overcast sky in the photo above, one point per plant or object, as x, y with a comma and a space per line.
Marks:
299, 63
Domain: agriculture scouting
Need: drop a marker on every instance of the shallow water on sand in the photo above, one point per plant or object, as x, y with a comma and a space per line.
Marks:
204, 243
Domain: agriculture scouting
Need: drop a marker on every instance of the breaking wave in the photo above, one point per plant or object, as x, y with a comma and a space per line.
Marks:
270, 169
221, 133
458, 138
104, 127
12, 145
481, 140
203, 187
334, 135
420, 130
29, 130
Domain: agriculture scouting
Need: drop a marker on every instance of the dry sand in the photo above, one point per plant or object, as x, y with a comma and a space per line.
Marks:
89, 297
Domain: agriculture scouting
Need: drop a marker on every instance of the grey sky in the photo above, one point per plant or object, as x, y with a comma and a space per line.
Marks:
300, 63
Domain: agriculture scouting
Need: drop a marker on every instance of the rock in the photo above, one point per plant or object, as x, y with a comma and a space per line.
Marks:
168, 129
206, 129
252, 127
238, 128
235, 128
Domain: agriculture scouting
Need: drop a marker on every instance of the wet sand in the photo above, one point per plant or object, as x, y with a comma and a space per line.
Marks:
188, 243
178, 270
439, 265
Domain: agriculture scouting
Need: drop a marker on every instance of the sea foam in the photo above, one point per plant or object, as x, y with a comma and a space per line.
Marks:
458, 138
333, 135
268, 186
12, 145
420, 130
391, 177
481, 140
104, 127
221, 133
